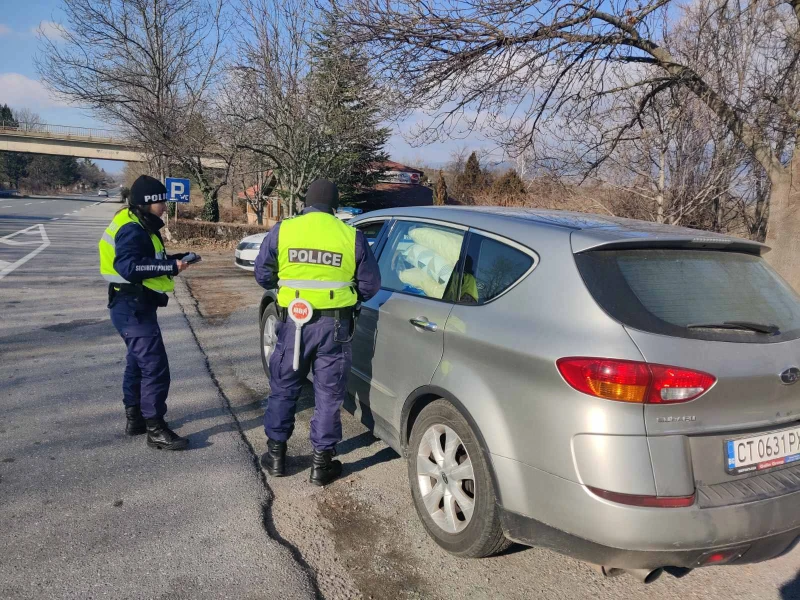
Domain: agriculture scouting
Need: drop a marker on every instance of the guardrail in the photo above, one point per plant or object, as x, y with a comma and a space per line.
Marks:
89, 134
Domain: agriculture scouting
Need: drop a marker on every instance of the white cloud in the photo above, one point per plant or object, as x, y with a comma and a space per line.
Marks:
4, 29
50, 30
20, 91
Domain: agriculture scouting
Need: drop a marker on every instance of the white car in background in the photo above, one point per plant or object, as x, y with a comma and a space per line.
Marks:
247, 250
103, 193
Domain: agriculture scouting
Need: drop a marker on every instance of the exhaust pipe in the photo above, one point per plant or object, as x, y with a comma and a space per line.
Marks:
645, 575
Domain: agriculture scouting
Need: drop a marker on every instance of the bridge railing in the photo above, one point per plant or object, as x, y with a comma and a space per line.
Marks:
91, 134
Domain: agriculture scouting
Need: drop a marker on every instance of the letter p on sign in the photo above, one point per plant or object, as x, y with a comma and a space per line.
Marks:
178, 190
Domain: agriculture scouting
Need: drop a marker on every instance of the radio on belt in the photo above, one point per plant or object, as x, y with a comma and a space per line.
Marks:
300, 311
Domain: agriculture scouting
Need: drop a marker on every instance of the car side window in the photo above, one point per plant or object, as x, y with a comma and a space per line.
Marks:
372, 230
490, 268
421, 259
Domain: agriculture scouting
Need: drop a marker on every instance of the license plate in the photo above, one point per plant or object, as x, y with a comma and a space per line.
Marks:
762, 452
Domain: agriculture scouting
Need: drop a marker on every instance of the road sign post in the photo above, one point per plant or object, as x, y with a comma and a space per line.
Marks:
178, 191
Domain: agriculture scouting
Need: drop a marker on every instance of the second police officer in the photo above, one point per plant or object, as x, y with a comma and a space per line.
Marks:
333, 290
139, 272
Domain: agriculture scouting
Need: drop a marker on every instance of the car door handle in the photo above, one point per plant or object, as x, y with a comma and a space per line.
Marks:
423, 323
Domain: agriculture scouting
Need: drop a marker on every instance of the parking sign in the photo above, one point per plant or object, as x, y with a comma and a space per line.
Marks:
177, 189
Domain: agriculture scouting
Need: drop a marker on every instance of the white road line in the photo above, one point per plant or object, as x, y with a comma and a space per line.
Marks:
43, 201
29, 203
44, 243
66, 214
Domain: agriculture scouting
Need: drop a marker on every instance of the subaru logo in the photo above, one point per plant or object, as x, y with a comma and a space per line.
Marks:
790, 376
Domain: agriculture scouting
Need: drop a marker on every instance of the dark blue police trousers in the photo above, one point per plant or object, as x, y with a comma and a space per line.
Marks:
330, 361
146, 380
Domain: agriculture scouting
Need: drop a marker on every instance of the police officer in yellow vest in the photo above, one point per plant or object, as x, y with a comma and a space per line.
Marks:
139, 272
328, 263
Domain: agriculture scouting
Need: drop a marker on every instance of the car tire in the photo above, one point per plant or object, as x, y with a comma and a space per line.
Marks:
269, 320
474, 535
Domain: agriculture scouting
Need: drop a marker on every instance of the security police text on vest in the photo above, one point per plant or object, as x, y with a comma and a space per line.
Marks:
315, 257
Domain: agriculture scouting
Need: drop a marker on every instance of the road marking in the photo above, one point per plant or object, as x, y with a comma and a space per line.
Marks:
43, 242
29, 203
66, 214
55, 218
43, 201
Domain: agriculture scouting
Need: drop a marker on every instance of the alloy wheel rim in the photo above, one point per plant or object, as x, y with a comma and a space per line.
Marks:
446, 478
270, 337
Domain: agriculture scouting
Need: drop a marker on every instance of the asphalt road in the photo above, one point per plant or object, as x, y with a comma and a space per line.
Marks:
86, 512
361, 534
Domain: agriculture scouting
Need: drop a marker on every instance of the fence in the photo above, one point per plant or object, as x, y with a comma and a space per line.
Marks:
89, 134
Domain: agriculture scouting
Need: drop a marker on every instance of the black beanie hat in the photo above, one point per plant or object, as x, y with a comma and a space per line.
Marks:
147, 190
323, 191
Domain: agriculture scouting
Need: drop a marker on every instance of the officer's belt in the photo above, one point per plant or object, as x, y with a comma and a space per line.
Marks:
337, 313
129, 288
141, 291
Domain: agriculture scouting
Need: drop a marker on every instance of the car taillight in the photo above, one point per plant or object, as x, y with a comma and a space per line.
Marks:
633, 381
645, 501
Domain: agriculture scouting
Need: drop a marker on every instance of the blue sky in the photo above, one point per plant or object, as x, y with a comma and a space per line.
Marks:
20, 86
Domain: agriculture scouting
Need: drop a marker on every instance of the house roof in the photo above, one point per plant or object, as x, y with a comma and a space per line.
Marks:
267, 187
390, 165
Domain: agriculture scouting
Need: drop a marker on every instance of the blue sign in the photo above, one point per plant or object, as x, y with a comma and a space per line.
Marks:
177, 189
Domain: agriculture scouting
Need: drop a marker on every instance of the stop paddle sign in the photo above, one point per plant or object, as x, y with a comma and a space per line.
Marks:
300, 311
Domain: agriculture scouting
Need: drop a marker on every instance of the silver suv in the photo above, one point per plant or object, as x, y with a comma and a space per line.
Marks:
618, 391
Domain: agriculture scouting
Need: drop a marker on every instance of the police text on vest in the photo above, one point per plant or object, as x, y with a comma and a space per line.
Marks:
315, 257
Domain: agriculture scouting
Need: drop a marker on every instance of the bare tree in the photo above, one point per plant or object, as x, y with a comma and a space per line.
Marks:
27, 119
305, 101
257, 183
150, 68
517, 67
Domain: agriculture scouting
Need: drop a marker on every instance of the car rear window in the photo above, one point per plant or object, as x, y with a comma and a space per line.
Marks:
671, 292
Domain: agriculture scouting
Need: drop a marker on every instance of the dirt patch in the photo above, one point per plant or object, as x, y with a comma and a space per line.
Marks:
367, 545
218, 285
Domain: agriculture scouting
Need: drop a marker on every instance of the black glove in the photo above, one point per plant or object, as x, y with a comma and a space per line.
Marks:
178, 256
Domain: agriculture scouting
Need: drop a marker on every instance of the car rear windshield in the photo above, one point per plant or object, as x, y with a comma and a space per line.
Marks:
684, 293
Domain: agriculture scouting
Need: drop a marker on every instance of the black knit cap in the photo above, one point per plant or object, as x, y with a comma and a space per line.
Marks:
147, 190
323, 191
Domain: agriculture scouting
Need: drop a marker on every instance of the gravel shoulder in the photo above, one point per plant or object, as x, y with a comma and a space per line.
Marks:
361, 535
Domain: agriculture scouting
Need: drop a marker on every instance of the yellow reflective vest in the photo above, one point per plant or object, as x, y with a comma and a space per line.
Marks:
317, 261
108, 252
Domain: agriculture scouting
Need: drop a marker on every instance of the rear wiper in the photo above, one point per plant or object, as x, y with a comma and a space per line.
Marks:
744, 325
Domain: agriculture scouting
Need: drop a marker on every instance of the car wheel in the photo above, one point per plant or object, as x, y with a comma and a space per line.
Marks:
269, 337
451, 485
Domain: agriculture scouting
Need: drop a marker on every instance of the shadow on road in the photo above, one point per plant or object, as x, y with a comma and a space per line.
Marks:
791, 590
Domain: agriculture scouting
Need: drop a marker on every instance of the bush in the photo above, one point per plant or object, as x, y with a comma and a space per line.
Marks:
184, 229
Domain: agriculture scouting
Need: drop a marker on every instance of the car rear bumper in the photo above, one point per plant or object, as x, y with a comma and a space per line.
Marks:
541, 509
531, 532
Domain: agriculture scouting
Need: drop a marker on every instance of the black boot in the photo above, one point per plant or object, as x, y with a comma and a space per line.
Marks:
274, 459
323, 468
162, 437
135, 424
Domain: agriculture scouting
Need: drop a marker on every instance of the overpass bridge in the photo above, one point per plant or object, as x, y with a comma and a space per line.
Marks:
80, 142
